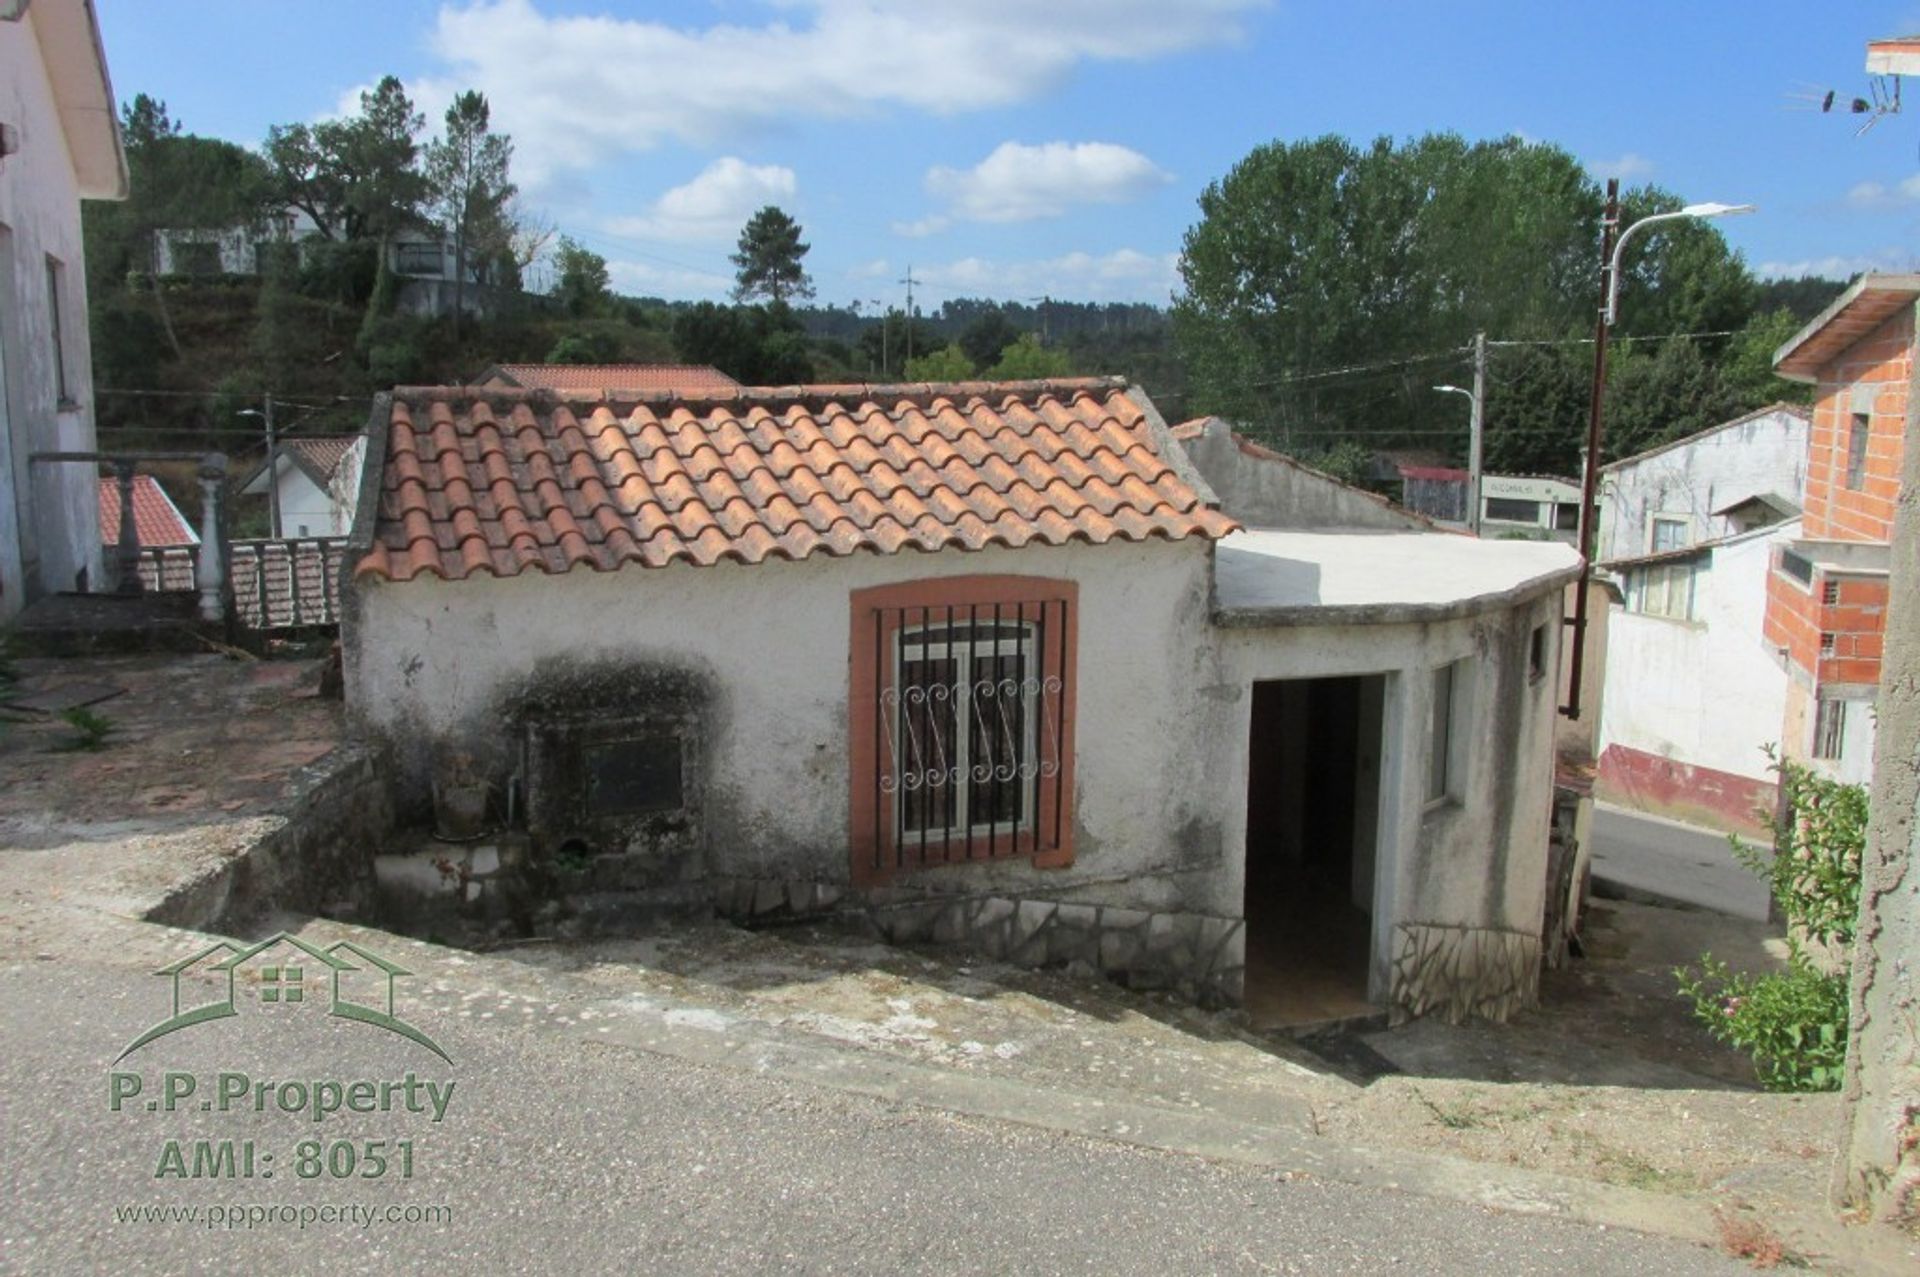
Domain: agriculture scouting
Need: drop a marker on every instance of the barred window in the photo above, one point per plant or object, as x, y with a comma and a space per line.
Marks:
961, 723
1829, 729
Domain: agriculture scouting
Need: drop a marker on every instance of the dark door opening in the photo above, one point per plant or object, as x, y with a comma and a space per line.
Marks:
1313, 801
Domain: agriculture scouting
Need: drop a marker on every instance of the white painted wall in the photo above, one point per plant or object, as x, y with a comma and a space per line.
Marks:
48, 519
306, 508
1478, 862
1765, 453
428, 661
1706, 692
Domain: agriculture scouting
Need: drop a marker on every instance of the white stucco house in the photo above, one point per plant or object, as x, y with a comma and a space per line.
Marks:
1693, 696
1007, 665
59, 144
316, 484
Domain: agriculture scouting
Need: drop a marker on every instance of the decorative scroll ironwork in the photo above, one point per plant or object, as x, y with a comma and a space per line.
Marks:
969, 714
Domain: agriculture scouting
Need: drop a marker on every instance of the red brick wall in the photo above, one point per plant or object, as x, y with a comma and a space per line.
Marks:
1834, 511
1793, 619
1797, 617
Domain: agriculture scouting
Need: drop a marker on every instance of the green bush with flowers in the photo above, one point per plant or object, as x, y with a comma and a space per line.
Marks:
1794, 1022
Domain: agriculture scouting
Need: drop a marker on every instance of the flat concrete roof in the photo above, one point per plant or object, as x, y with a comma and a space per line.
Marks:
1278, 577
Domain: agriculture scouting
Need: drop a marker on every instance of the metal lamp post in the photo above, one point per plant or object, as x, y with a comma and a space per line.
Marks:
1473, 456
1611, 248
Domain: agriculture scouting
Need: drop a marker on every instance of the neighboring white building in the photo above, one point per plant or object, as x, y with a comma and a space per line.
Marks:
1531, 505
423, 260
318, 477
62, 145
985, 663
1740, 475
1693, 695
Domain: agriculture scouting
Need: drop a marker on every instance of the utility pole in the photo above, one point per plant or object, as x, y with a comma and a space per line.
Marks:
1474, 440
885, 313
908, 281
1590, 472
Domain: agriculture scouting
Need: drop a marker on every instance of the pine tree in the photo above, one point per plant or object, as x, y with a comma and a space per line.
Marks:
468, 170
769, 259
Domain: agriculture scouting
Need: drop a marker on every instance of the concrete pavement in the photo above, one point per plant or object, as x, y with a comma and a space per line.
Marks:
1654, 860
567, 1149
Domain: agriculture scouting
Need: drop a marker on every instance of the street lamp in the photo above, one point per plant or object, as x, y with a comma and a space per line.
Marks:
1473, 455
1610, 252
273, 476
1710, 209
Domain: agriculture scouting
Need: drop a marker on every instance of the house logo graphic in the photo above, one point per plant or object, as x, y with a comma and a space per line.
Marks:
282, 980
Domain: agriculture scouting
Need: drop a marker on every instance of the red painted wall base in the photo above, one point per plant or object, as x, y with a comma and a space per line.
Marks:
1682, 791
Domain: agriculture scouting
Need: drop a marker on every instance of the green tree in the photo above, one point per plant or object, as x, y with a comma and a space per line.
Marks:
949, 363
988, 335
357, 178
467, 168
768, 260
176, 181
583, 285
885, 344
1028, 360
1320, 256
758, 345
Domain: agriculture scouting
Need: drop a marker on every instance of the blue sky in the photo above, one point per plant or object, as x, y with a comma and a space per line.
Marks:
1019, 148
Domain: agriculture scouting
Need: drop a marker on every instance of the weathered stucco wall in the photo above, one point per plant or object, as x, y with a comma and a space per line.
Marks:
1764, 453
1266, 490
1879, 1166
1474, 867
764, 650
48, 522
1700, 693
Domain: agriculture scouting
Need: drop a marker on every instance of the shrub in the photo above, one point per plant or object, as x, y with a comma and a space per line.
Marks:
1794, 1022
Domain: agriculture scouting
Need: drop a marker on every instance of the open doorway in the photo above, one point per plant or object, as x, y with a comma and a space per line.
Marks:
1313, 815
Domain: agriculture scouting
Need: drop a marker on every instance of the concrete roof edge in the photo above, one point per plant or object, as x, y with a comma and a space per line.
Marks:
1249, 618
1869, 282
1779, 405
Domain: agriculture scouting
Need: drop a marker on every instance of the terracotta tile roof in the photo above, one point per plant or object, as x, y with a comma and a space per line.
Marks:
156, 520
317, 455
505, 481
686, 379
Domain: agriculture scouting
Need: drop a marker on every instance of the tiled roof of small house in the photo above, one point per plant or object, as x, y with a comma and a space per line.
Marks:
499, 482
156, 520
319, 455
686, 379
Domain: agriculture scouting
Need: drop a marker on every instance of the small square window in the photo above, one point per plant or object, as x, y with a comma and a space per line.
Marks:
1830, 593
1827, 644
1537, 654
1668, 534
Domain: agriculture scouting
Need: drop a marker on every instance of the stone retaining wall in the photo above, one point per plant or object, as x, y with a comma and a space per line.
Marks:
1462, 972
1198, 956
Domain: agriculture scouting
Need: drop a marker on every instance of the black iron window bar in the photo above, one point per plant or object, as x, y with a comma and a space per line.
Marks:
968, 722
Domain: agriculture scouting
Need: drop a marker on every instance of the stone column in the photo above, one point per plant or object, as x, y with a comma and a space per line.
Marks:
208, 574
127, 553
1879, 1166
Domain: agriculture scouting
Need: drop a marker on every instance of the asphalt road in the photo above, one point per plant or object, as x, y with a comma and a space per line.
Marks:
558, 1155
1669, 862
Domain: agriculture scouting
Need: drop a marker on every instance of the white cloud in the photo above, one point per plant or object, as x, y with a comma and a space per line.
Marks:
642, 279
1841, 266
573, 90
713, 206
1125, 275
1626, 168
878, 268
922, 228
1018, 183
1876, 195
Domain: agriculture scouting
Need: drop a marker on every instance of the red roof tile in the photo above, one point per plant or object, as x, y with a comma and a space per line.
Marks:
156, 520
685, 379
499, 482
